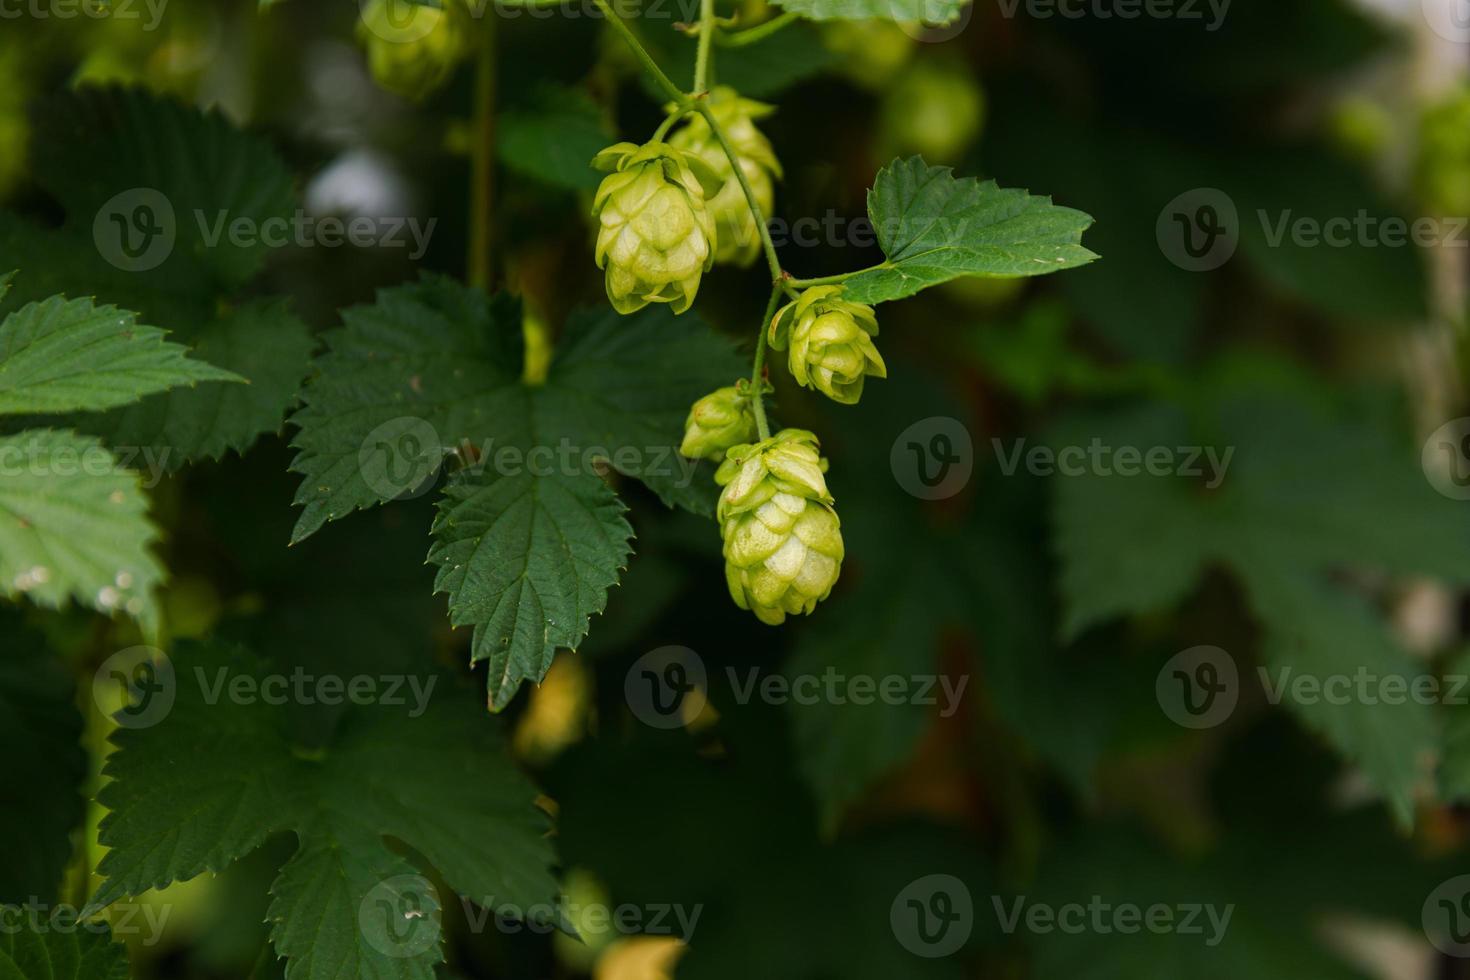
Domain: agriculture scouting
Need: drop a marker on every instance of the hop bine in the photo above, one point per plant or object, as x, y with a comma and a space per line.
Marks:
782, 540
656, 235
413, 48
831, 341
718, 421
736, 233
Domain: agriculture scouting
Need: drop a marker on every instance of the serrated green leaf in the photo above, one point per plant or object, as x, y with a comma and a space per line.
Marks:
527, 560
263, 343
934, 227
936, 12
64, 950
1289, 514
210, 781
445, 361
74, 525
63, 355
40, 798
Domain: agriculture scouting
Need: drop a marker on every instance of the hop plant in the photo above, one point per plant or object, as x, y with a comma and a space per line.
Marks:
831, 341
736, 234
413, 48
782, 540
718, 421
656, 235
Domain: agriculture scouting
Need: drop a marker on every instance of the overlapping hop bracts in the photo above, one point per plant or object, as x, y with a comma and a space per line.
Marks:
831, 341
656, 235
782, 539
737, 236
718, 421
413, 48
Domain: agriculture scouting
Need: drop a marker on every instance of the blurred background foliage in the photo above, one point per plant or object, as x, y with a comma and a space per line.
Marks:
1059, 598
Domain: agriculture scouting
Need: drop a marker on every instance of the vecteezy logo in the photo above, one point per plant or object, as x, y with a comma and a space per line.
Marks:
933, 458
400, 458
1446, 917
933, 916
1446, 459
1199, 230
135, 230
399, 21
1450, 19
399, 916
930, 21
1199, 687
135, 686
665, 687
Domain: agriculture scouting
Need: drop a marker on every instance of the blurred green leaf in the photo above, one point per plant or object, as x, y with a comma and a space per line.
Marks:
1286, 515
555, 141
40, 799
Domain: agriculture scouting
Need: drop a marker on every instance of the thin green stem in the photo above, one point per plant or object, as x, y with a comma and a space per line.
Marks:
772, 260
838, 279
649, 65
706, 35
667, 124
757, 33
757, 382
480, 261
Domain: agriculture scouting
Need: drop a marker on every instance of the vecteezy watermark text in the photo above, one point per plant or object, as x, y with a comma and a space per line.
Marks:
1177, 10
1098, 459
123, 10
306, 230
143, 920
1102, 917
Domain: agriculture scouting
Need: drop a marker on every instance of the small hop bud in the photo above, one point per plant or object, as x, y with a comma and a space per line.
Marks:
719, 420
737, 236
782, 540
656, 235
831, 341
413, 48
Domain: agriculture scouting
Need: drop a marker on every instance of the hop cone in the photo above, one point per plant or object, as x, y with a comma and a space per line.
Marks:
831, 341
656, 235
412, 48
719, 420
783, 545
736, 234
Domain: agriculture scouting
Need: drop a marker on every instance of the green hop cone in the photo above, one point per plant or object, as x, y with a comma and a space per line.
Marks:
413, 48
737, 236
782, 540
656, 235
719, 420
831, 341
